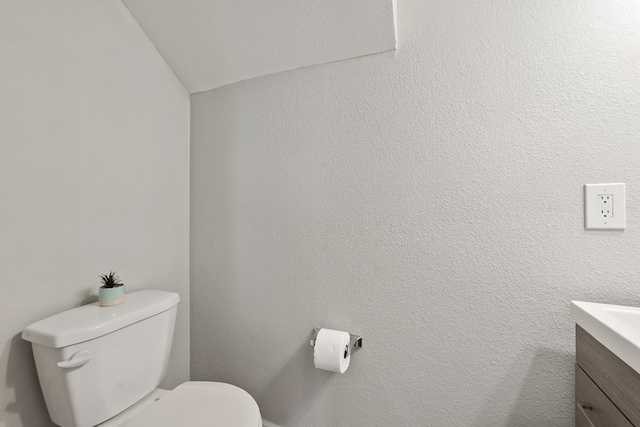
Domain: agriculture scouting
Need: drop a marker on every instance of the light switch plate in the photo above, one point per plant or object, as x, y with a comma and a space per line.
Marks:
604, 206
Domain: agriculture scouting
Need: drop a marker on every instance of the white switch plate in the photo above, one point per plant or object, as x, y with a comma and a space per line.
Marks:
604, 207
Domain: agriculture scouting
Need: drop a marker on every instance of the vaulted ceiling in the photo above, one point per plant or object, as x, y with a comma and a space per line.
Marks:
211, 43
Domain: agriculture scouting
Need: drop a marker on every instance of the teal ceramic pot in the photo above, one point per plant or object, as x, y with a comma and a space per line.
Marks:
111, 296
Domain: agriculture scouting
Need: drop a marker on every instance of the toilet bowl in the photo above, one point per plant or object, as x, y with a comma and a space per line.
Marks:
191, 404
199, 403
102, 365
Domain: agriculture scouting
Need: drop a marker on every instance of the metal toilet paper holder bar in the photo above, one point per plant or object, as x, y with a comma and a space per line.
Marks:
355, 342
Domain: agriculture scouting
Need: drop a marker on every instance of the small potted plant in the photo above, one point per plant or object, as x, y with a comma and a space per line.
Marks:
112, 290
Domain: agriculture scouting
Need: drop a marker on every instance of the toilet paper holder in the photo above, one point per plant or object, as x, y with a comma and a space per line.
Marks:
355, 342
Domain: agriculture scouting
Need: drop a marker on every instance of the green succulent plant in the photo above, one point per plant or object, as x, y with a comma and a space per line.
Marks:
110, 280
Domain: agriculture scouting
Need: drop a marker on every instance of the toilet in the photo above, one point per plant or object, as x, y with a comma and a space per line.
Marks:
101, 366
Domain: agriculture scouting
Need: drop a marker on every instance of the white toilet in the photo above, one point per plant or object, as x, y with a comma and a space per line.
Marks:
102, 366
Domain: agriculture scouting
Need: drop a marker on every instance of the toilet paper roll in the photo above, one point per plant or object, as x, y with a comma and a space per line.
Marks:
330, 350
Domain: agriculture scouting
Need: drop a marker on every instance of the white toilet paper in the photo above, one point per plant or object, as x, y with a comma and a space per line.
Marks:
330, 349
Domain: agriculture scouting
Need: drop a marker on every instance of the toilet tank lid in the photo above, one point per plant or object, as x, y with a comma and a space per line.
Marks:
92, 321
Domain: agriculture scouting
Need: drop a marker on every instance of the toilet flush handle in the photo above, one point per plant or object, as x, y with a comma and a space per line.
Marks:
78, 359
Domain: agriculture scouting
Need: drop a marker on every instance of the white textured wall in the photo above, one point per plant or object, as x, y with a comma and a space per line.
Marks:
430, 199
213, 43
94, 175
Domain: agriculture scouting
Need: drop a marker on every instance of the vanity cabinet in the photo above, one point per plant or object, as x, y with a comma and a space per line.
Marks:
607, 389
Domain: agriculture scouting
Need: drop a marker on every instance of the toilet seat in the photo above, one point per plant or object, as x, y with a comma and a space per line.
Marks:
201, 404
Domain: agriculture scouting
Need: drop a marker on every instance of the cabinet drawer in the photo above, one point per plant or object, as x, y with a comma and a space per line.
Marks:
593, 407
615, 378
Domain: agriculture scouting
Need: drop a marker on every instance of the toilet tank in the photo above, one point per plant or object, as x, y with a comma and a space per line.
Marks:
94, 362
